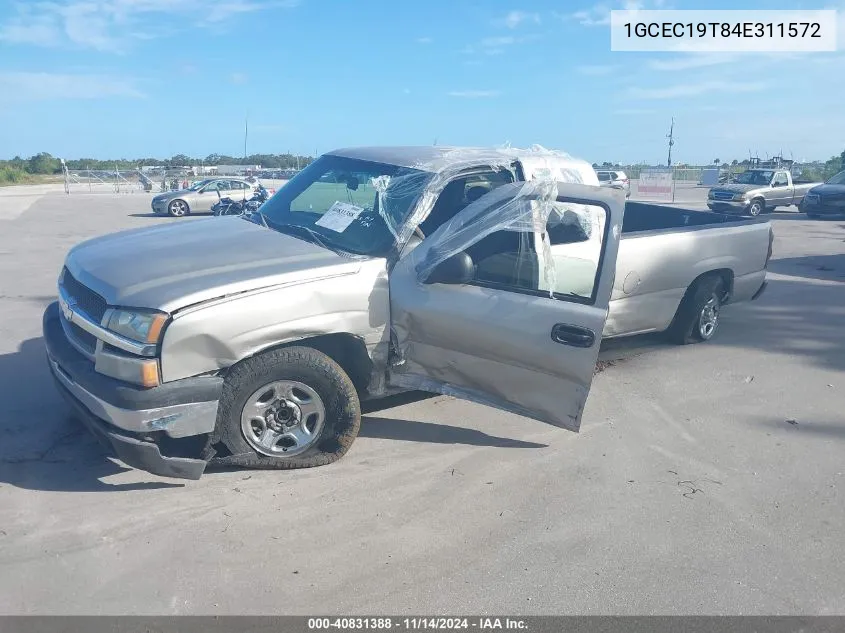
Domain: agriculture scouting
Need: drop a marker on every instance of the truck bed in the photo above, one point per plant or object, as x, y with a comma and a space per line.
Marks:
643, 216
665, 249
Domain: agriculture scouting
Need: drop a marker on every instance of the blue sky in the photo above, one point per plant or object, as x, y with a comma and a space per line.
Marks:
132, 78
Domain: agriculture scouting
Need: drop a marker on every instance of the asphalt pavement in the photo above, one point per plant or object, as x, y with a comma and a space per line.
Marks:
706, 479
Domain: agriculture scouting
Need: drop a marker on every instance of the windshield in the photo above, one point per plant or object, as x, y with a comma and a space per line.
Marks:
334, 202
195, 186
838, 179
755, 177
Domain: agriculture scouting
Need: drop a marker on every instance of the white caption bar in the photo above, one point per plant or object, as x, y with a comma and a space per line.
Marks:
723, 31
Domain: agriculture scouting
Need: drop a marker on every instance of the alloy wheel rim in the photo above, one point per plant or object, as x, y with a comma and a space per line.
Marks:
708, 321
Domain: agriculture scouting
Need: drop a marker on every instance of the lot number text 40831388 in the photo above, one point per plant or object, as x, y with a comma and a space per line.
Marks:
417, 623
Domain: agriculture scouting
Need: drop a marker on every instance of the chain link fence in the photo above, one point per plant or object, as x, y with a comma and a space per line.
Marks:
155, 180
693, 175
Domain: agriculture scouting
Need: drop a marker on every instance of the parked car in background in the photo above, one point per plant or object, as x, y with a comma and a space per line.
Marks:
826, 199
759, 191
614, 179
201, 196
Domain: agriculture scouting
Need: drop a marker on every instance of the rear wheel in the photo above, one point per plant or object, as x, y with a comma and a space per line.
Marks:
697, 318
292, 407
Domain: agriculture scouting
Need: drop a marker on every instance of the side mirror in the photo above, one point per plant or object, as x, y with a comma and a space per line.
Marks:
457, 269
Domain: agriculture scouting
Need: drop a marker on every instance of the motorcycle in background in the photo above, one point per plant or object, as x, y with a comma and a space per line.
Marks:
227, 206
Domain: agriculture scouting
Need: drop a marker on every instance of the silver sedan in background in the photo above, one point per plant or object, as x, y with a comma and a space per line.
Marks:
201, 196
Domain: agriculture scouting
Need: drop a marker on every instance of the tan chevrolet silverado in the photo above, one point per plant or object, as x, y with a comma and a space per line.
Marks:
490, 275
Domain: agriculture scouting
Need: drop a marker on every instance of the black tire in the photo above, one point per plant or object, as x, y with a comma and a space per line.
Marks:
757, 206
178, 208
686, 326
301, 364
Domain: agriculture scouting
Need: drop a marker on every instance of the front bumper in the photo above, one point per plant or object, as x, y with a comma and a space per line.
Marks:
726, 206
821, 209
159, 206
136, 423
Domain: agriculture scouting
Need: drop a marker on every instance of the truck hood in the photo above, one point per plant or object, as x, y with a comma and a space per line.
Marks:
737, 188
173, 266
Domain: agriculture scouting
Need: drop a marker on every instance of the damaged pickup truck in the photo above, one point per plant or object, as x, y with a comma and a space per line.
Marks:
481, 274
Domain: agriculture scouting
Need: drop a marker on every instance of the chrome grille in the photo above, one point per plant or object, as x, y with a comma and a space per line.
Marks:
83, 297
723, 195
79, 338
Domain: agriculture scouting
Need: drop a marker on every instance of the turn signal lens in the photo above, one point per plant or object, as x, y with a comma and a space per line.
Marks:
149, 373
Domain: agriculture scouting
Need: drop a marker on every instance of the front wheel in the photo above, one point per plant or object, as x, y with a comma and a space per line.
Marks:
178, 208
697, 318
292, 407
756, 208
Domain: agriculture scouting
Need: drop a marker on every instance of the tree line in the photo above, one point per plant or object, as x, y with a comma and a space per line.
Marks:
44, 163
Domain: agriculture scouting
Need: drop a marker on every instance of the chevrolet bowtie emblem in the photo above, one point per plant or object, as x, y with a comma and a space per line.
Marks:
67, 310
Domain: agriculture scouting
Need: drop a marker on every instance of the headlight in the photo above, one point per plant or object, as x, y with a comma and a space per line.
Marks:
739, 197
710, 195
143, 327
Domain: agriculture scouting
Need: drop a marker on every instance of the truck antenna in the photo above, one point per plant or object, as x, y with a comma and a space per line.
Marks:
671, 137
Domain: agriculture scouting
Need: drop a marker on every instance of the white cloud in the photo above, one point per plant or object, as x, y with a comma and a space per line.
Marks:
26, 86
112, 25
35, 31
596, 70
514, 18
496, 45
599, 14
222, 11
424, 40
238, 78
490, 42
474, 94
689, 62
695, 89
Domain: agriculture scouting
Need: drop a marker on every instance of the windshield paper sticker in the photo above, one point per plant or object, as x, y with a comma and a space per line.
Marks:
339, 216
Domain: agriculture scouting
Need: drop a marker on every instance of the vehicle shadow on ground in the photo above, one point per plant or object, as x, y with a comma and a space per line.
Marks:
798, 317
826, 267
145, 215
803, 428
428, 432
41, 446
435, 433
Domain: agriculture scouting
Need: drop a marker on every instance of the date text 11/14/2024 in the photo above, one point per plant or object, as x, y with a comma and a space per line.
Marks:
416, 623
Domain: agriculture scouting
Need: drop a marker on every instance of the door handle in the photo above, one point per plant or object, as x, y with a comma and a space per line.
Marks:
573, 335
